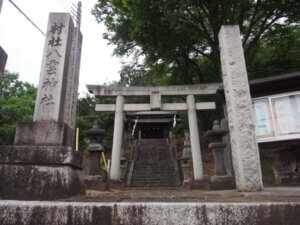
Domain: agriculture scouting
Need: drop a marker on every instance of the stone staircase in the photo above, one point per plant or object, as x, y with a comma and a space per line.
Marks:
154, 165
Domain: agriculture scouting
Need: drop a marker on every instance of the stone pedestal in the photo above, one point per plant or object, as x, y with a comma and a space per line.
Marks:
95, 183
185, 160
187, 151
221, 180
202, 184
40, 172
97, 176
222, 183
218, 153
44, 133
95, 165
118, 185
185, 164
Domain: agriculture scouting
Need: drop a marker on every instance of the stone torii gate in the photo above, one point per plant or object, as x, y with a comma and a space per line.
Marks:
245, 154
155, 94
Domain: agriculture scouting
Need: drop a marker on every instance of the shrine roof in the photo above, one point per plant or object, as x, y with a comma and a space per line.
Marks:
272, 85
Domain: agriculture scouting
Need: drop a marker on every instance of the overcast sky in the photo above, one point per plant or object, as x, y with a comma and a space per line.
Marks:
24, 43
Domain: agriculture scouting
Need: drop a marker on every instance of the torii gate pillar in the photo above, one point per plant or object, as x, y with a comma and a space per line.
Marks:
115, 173
195, 141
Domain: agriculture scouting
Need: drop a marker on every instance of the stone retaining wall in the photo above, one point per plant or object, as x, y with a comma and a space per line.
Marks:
54, 213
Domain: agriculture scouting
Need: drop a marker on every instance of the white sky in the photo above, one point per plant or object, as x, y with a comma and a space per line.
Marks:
24, 43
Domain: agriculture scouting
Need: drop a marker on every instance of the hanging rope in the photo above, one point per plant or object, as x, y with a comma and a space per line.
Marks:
135, 123
174, 120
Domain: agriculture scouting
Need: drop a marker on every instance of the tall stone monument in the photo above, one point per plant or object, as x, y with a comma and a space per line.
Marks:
56, 101
43, 163
3, 59
244, 147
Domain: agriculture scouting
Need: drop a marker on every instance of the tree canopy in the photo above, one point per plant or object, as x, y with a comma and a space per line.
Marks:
16, 104
176, 41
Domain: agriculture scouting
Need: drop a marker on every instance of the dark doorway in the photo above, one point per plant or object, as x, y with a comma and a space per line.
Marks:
152, 131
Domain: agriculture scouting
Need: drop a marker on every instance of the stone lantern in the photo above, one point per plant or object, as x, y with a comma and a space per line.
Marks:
221, 180
186, 158
96, 174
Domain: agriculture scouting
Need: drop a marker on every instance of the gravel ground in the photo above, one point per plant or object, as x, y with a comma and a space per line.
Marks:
270, 194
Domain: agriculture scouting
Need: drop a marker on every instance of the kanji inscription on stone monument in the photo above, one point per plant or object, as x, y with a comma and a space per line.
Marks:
55, 66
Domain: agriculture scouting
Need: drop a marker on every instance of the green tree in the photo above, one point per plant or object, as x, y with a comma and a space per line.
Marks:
86, 115
277, 52
175, 42
16, 104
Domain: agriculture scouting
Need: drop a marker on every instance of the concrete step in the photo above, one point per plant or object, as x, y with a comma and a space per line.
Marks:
159, 166
153, 148
152, 188
157, 158
172, 181
152, 157
154, 175
149, 181
147, 141
154, 166
153, 152
149, 153
163, 162
162, 148
154, 171
153, 184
